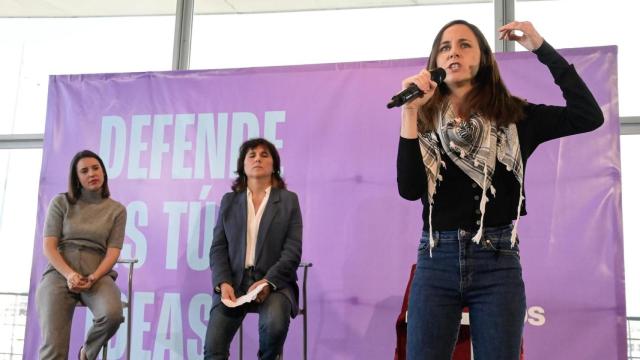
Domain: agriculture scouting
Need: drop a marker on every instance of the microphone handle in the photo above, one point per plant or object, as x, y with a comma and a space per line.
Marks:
406, 95
413, 91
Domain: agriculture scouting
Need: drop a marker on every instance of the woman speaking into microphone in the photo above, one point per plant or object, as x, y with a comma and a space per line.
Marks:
463, 150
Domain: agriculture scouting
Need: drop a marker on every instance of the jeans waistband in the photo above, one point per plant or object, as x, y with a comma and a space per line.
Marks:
464, 234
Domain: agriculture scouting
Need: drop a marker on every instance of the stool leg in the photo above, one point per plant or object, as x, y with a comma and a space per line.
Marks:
240, 343
129, 308
129, 330
304, 333
104, 351
304, 311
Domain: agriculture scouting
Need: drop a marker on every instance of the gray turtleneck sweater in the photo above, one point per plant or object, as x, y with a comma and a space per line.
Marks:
92, 223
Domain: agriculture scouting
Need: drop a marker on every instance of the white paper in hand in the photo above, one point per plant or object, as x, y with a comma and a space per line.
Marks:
246, 298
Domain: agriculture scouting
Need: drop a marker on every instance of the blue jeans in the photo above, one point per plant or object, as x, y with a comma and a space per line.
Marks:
273, 325
486, 277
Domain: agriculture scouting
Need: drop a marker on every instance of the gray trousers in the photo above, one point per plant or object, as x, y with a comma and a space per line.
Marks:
56, 304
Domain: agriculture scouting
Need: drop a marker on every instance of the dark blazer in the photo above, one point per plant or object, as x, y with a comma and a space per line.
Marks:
278, 247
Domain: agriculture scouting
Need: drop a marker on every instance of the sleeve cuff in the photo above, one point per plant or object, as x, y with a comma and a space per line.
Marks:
218, 288
543, 46
407, 141
273, 286
545, 51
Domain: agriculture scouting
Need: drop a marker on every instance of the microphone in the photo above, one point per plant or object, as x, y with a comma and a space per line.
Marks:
413, 91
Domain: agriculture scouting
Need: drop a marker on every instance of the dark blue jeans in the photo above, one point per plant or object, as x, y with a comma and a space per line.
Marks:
486, 277
273, 325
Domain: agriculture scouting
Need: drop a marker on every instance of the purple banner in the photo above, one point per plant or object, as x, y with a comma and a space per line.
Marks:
170, 144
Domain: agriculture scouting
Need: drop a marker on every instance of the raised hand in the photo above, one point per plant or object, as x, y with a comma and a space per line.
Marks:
530, 39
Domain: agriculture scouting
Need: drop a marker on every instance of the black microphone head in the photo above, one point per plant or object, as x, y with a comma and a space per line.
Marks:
438, 75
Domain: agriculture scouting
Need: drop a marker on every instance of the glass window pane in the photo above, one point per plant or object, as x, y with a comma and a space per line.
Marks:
630, 148
597, 24
34, 48
19, 179
312, 37
13, 319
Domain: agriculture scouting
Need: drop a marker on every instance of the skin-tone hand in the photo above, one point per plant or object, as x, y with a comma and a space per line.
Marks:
76, 282
530, 39
86, 284
264, 293
226, 292
423, 81
409, 127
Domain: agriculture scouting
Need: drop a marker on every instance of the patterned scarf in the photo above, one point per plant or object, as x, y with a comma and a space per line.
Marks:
474, 146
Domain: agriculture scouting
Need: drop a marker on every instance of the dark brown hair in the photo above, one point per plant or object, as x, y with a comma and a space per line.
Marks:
74, 187
240, 183
488, 96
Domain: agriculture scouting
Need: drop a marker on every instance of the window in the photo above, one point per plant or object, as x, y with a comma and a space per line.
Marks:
629, 149
34, 48
598, 24
312, 37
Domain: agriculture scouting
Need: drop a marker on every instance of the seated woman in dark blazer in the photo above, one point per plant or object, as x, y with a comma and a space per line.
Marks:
83, 235
257, 239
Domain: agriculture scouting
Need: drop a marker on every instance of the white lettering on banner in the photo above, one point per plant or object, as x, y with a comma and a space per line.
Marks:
137, 215
535, 316
169, 335
137, 146
217, 144
180, 145
199, 259
139, 326
271, 118
197, 255
239, 122
175, 209
198, 319
210, 138
113, 135
158, 146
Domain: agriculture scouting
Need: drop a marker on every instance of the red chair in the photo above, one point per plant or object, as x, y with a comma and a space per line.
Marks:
463, 349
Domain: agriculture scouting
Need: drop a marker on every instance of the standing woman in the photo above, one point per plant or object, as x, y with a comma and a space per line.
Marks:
257, 240
463, 151
83, 235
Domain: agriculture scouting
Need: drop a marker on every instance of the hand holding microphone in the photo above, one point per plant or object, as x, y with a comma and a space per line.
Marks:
423, 83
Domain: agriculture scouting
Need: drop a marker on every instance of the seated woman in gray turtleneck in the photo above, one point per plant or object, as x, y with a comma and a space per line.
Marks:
83, 235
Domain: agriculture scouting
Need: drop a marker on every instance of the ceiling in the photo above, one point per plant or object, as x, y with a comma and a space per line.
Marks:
90, 8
